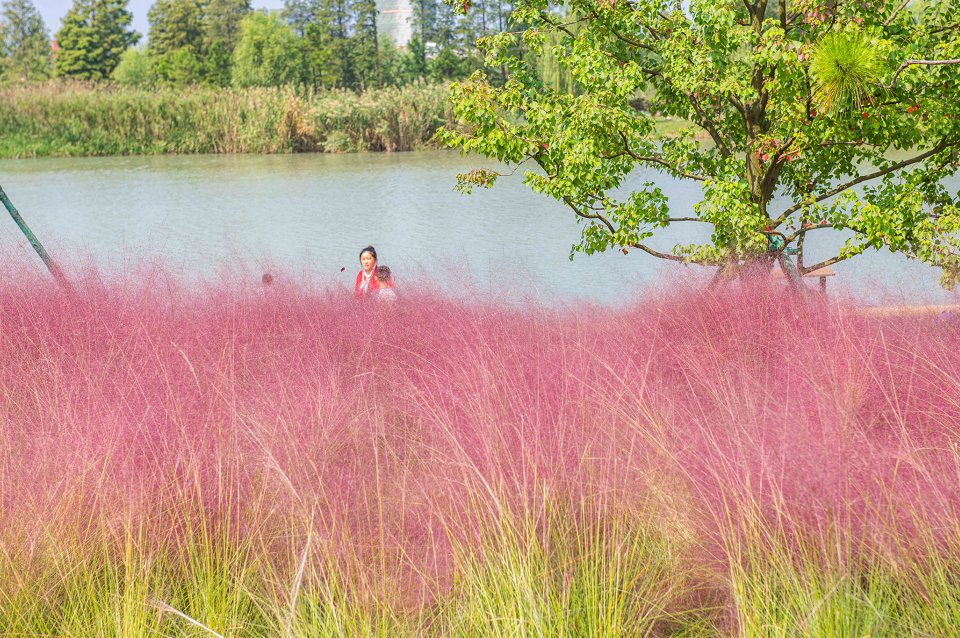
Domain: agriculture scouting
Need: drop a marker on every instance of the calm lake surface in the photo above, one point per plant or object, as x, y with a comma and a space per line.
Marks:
315, 212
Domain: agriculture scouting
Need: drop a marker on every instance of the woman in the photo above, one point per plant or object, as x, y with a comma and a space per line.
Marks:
367, 277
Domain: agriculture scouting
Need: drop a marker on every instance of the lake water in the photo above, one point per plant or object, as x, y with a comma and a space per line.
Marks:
316, 211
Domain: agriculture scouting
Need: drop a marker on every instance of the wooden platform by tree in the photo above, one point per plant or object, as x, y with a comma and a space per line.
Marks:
821, 273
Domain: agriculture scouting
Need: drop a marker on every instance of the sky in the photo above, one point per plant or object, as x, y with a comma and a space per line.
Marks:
54, 10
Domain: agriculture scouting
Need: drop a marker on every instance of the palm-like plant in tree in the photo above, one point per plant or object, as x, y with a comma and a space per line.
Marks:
836, 116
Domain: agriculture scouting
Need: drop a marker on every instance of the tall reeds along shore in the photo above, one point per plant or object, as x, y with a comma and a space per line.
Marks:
61, 118
183, 461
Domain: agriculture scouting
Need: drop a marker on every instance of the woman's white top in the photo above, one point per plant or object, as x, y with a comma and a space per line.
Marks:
365, 284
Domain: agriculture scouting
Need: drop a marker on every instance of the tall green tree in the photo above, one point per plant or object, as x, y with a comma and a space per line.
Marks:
366, 43
415, 59
176, 24
24, 41
269, 53
222, 21
177, 40
424, 19
391, 61
93, 35
221, 34
780, 171
300, 13
322, 55
329, 54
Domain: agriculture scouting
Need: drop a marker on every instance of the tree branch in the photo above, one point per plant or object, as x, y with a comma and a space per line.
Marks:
828, 262
562, 26
710, 126
839, 189
947, 27
737, 104
598, 216
907, 63
895, 12
826, 144
806, 229
776, 159
661, 255
632, 43
657, 160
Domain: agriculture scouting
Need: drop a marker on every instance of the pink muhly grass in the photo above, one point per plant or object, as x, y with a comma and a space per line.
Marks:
332, 439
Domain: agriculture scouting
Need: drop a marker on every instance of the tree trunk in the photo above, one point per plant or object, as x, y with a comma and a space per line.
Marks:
376, 45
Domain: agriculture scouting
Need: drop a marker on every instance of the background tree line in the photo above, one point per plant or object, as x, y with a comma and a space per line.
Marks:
319, 43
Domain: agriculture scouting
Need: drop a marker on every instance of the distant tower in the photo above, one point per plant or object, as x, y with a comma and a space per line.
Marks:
396, 20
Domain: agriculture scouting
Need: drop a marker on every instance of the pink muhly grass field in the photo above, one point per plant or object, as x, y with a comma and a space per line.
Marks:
179, 457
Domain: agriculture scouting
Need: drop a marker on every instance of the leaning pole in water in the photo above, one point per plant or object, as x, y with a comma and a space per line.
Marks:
37, 246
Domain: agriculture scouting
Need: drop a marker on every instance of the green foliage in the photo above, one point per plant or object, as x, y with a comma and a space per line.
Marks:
391, 61
174, 25
549, 68
269, 54
844, 65
24, 42
192, 41
177, 38
300, 13
329, 52
93, 36
180, 66
415, 60
218, 63
446, 65
365, 43
136, 68
778, 166
71, 119
221, 20
343, 47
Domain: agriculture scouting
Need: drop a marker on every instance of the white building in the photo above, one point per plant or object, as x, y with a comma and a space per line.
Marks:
396, 20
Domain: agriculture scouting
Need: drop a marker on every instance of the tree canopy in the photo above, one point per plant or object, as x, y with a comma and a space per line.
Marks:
24, 41
269, 53
92, 38
787, 160
222, 22
343, 44
176, 24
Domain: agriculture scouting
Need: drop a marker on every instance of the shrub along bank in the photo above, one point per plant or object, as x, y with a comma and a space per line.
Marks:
78, 118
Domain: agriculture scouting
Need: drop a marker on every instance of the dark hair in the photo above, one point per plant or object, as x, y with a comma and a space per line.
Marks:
267, 279
383, 273
369, 249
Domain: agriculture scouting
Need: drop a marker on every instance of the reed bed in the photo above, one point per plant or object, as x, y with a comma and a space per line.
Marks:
215, 460
70, 118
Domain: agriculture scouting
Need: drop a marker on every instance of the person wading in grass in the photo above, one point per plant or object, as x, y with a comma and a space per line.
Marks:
384, 291
367, 277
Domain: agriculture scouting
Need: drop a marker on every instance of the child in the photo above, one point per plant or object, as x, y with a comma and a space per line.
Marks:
385, 291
